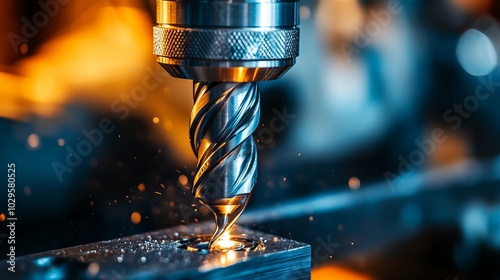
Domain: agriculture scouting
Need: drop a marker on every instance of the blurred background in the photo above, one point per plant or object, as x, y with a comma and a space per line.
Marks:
380, 148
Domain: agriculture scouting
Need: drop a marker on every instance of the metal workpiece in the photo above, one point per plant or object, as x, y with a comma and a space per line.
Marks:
226, 46
161, 255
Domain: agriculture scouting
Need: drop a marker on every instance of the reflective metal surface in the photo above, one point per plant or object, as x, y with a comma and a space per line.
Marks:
222, 122
205, 13
212, 33
161, 255
226, 71
226, 44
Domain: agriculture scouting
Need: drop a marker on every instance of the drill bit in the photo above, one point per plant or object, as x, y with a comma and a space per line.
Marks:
226, 46
222, 122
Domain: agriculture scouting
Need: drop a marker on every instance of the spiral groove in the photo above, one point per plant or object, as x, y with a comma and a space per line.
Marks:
222, 122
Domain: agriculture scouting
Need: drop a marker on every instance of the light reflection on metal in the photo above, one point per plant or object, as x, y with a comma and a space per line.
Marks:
157, 255
226, 244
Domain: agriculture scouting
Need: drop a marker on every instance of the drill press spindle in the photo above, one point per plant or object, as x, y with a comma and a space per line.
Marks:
226, 46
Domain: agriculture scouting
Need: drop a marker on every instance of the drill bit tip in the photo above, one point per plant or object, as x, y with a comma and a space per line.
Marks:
226, 212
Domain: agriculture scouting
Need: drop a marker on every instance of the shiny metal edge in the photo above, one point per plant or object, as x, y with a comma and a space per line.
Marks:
226, 71
209, 13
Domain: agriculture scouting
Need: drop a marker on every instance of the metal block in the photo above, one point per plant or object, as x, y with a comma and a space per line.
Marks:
160, 255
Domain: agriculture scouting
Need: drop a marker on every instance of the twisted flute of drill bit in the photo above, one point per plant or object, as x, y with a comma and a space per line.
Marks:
223, 119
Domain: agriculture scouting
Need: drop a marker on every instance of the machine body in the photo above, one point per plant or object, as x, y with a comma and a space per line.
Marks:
226, 47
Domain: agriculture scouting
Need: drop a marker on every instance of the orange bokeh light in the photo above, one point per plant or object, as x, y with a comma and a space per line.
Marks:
328, 272
135, 218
